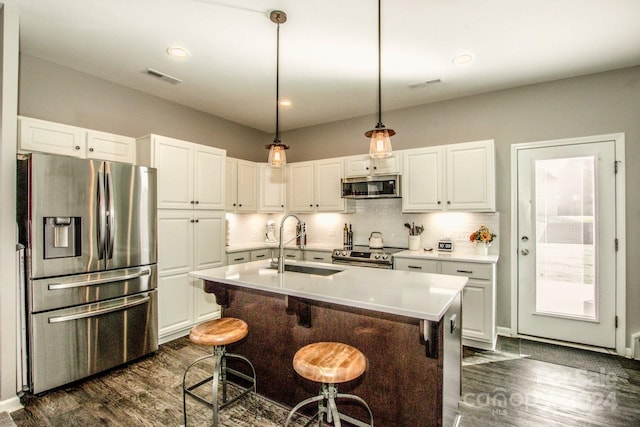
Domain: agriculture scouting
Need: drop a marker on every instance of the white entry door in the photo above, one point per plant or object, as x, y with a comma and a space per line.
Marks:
567, 242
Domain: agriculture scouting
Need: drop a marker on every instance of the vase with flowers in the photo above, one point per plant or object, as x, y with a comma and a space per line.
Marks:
482, 239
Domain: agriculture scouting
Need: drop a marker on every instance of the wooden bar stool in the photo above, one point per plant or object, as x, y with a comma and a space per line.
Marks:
218, 333
330, 363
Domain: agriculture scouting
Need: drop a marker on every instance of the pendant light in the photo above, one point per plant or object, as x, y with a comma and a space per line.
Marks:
277, 156
380, 145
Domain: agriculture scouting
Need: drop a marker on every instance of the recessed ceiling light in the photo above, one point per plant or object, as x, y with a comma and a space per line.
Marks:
285, 103
178, 52
463, 58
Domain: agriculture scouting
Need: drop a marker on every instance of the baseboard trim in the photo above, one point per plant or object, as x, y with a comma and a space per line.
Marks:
10, 405
502, 331
479, 344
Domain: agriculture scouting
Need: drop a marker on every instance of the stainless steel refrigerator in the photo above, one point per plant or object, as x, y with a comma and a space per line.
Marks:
89, 228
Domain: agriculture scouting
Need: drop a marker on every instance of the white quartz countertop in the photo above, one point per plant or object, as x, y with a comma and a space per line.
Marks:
446, 256
249, 246
405, 293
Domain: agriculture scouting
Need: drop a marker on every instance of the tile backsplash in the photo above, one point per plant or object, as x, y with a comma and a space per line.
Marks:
383, 215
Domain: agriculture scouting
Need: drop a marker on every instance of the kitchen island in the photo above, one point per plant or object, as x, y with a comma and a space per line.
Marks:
406, 324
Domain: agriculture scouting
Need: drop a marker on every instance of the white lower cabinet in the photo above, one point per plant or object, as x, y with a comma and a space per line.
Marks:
420, 265
317, 256
188, 240
238, 257
478, 297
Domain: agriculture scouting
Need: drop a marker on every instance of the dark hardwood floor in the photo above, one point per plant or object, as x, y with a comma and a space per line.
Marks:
502, 388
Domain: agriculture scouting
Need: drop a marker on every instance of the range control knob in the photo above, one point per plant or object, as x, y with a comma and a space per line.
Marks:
377, 256
344, 253
385, 256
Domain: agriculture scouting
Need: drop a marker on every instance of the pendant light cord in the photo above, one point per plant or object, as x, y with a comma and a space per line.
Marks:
277, 138
379, 125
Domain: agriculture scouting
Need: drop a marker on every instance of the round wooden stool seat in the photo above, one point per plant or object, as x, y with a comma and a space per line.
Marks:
219, 332
329, 362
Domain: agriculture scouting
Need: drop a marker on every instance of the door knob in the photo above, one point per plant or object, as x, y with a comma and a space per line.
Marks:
525, 252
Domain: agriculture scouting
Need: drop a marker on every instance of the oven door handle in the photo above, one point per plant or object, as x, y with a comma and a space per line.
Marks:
99, 312
58, 286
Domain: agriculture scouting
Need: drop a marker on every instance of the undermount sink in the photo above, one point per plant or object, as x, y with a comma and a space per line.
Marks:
306, 269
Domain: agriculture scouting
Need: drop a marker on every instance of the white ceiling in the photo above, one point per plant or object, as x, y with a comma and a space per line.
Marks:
328, 61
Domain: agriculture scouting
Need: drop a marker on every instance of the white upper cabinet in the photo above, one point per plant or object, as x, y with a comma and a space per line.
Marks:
364, 165
272, 189
107, 146
456, 177
190, 176
300, 190
209, 175
231, 184
66, 140
422, 179
315, 186
471, 176
241, 186
328, 186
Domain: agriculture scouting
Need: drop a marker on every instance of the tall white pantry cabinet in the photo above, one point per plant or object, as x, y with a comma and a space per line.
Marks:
191, 224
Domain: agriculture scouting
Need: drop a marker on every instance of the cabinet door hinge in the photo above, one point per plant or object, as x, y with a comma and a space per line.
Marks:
616, 321
616, 244
615, 166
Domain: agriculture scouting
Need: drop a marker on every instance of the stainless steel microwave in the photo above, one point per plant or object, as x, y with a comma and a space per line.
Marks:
371, 187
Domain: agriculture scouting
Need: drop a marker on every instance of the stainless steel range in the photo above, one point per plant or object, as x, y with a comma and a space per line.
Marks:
364, 256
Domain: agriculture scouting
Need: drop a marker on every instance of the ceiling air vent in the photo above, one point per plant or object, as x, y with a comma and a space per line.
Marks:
425, 83
162, 76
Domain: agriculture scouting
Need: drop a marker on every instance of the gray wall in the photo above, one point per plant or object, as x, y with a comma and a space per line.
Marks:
52, 92
589, 105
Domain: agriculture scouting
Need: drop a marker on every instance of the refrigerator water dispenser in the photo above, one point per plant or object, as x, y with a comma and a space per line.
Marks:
61, 237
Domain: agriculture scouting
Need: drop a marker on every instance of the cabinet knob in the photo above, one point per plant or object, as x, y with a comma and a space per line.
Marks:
317, 206
367, 168
439, 202
197, 202
282, 206
448, 202
193, 221
234, 204
310, 206
77, 147
90, 149
192, 202
375, 167
240, 205
197, 220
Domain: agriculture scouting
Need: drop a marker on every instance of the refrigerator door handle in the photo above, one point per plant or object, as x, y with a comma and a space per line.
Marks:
111, 218
102, 216
58, 286
94, 313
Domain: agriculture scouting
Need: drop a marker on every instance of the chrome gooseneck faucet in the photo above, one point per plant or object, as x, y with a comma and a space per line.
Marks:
281, 241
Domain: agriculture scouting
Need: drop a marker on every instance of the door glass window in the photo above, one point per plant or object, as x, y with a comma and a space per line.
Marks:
565, 237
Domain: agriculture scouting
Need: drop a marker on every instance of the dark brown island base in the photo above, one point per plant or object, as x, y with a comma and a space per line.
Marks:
414, 365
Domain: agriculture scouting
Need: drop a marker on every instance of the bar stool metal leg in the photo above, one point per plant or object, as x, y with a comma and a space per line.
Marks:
219, 376
329, 394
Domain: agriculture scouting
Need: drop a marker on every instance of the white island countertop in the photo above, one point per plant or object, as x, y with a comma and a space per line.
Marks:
405, 293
